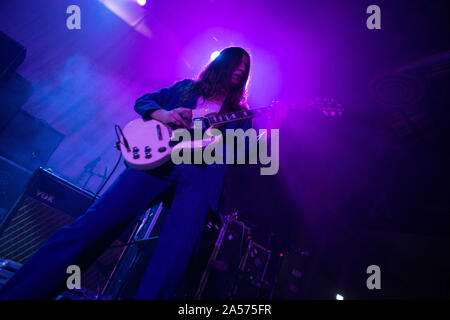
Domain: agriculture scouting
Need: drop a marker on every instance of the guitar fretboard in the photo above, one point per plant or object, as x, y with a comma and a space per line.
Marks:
238, 115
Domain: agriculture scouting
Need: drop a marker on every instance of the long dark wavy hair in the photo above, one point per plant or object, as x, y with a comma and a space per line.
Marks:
215, 80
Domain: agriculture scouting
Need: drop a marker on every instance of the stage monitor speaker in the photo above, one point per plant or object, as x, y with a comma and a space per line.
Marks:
133, 264
128, 274
12, 55
49, 203
29, 141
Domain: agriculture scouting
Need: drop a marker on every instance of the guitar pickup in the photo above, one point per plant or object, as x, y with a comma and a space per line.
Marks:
205, 122
158, 131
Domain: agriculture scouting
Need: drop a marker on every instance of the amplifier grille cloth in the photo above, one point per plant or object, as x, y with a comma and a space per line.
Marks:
32, 224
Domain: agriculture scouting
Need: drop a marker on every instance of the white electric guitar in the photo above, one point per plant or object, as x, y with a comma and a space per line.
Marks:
148, 144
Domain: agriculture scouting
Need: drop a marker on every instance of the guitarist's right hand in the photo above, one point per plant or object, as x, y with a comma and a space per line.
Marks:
179, 116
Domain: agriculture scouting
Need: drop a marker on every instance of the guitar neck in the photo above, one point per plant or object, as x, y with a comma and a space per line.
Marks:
326, 106
238, 115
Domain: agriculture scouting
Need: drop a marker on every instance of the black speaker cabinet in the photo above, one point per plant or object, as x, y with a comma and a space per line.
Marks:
12, 55
28, 141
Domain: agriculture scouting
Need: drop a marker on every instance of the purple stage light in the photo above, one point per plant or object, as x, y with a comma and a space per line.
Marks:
214, 55
141, 2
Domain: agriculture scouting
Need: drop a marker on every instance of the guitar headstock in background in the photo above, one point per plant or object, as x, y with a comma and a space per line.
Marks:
329, 107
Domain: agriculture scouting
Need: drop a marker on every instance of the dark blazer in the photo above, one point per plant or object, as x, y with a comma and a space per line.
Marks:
169, 99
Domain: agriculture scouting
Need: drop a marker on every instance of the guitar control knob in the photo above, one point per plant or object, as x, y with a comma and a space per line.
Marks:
135, 155
135, 149
148, 149
148, 155
162, 149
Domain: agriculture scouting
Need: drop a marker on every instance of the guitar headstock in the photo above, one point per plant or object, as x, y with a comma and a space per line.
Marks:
328, 106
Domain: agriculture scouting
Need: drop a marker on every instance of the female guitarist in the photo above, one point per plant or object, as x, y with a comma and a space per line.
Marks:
220, 88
